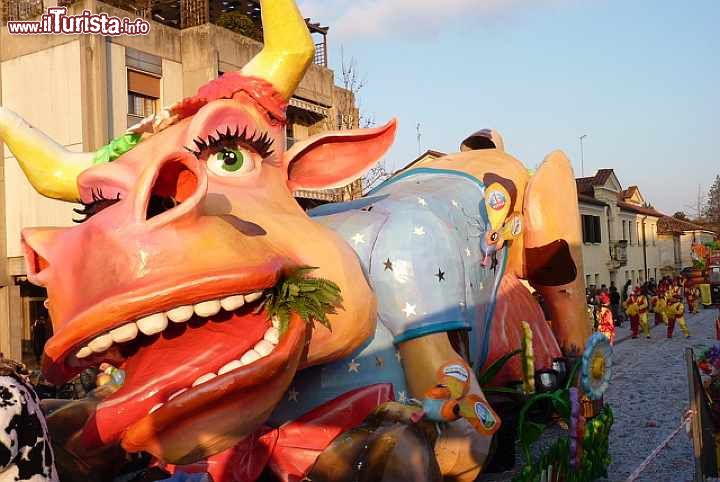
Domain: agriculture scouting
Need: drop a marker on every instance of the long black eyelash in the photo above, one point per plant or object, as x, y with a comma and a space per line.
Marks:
98, 203
260, 142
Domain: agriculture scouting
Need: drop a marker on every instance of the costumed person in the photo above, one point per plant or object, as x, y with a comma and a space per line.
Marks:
633, 312
615, 303
690, 298
660, 308
676, 314
643, 306
698, 298
606, 325
653, 307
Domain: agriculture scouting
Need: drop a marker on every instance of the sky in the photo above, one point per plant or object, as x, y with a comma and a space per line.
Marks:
640, 77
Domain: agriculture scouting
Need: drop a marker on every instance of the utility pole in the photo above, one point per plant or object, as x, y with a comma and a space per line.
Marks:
419, 136
699, 202
582, 156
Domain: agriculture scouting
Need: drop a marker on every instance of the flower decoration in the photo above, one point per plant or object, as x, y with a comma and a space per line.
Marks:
528, 359
596, 366
709, 360
576, 429
574, 414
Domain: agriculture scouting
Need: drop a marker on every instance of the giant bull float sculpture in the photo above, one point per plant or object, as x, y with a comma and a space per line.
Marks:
189, 228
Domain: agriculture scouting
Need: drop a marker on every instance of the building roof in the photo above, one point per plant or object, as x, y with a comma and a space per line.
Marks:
645, 211
586, 194
584, 198
671, 225
429, 153
585, 185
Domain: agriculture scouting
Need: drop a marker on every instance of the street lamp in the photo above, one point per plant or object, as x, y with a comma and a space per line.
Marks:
582, 156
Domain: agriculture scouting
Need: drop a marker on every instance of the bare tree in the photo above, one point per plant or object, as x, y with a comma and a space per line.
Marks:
351, 116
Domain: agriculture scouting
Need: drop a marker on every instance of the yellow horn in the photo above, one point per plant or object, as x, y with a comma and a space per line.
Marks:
288, 50
51, 169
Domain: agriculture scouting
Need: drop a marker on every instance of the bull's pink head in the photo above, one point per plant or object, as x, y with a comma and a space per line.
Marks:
181, 236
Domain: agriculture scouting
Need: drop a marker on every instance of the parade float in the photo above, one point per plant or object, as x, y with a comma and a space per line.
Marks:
242, 338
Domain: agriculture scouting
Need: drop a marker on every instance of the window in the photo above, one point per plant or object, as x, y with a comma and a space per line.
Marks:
624, 231
591, 229
587, 281
143, 95
653, 227
639, 237
630, 233
140, 105
597, 279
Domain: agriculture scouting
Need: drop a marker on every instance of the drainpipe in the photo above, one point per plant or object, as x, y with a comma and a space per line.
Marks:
644, 249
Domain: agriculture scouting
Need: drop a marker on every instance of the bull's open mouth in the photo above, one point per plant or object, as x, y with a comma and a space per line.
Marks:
182, 359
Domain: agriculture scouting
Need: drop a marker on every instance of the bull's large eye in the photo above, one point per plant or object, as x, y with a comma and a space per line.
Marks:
230, 162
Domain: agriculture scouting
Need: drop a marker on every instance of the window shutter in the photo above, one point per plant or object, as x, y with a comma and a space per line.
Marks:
143, 84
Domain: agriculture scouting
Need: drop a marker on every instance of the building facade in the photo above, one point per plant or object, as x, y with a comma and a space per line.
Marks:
625, 238
84, 90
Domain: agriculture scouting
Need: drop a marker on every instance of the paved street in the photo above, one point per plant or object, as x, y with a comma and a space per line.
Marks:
649, 395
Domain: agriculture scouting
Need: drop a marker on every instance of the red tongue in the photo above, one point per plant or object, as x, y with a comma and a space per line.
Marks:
162, 364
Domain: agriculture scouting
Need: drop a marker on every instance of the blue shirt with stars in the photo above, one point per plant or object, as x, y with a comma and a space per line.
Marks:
418, 239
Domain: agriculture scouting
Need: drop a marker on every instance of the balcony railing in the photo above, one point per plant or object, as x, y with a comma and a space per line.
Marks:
21, 10
618, 254
320, 54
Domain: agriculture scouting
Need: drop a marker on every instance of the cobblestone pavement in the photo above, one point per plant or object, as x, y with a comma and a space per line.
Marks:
649, 395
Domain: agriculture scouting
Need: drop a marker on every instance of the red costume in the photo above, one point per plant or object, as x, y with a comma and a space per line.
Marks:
633, 312
690, 298
606, 325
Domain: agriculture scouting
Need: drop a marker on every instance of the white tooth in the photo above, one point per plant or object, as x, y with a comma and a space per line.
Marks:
101, 343
232, 303
124, 333
207, 308
203, 379
250, 356
178, 393
264, 347
230, 367
84, 352
180, 314
275, 322
253, 297
155, 408
152, 324
272, 335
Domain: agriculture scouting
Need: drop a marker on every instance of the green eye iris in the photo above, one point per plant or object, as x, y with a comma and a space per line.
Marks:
232, 159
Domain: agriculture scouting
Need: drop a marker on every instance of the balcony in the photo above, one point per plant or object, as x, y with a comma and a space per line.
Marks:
618, 255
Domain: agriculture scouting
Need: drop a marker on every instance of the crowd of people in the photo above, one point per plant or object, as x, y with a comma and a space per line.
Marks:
667, 299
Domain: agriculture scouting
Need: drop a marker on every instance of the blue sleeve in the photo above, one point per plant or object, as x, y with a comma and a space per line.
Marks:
418, 274
183, 477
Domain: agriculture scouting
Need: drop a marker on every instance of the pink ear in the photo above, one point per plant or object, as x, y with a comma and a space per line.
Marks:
335, 159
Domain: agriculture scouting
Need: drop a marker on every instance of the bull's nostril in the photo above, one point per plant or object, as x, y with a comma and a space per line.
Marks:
174, 184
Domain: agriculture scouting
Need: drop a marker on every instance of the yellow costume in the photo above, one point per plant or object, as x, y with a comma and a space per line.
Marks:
677, 314
642, 304
661, 310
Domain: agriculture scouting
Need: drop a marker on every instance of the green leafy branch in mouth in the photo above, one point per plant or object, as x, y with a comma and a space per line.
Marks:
313, 299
